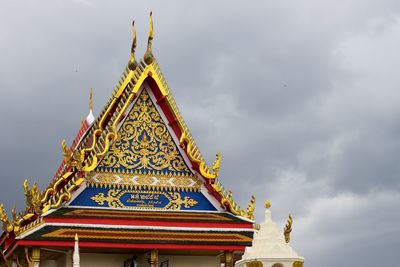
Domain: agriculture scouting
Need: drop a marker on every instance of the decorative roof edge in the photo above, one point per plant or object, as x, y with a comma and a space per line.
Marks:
93, 141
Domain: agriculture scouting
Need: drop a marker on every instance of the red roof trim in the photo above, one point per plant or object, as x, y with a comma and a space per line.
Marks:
85, 244
3, 237
107, 221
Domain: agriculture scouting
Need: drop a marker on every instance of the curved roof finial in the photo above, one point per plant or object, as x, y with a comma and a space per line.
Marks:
148, 56
91, 100
132, 64
90, 117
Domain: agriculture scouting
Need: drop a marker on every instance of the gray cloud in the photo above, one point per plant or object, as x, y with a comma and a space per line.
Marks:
301, 98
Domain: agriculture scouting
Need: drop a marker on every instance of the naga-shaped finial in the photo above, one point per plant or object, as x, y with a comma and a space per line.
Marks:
14, 213
217, 164
132, 64
73, 160
148, 56
33, 197
66, 152
230, 195
7, 225
28, 193
251, 208
288, 229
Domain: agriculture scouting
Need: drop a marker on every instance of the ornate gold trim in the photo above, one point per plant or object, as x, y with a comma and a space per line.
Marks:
63, 195
194, 155
32, 225
107, 180
230, 204
113, 199
7, 224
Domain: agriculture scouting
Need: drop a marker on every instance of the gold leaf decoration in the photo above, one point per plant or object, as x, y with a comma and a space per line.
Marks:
113, 199
144, 144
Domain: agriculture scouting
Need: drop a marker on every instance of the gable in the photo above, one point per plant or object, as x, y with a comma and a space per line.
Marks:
144, 145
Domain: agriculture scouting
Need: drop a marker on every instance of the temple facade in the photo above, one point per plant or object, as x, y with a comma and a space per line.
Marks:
133, 190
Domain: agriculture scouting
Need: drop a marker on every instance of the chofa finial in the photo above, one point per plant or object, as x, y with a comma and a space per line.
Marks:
91, 100
132, 64
90, 117
148, 56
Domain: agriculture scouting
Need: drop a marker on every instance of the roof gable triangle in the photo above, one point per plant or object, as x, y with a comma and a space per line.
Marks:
144, 144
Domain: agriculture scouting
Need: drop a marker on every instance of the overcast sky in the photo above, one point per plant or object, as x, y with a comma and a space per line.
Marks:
301, 97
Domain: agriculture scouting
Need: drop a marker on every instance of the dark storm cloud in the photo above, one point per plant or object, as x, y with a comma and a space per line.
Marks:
302, 99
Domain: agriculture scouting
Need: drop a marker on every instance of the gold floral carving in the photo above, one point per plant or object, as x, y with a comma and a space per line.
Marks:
144, 143
156, 182
113, 199
145, 180
182, 182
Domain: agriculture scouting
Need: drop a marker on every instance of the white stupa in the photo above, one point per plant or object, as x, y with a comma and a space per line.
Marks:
270, 248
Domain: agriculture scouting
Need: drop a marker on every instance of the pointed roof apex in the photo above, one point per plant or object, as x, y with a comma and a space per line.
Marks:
132, 64
148, 56
91, 99
90, 117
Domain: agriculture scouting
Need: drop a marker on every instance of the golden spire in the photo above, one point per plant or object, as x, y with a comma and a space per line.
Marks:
89, 118
148, 56
76, 237
91, 100
267, 204
132, 64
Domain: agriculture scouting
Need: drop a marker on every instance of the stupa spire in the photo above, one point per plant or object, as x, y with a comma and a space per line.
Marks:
270, 246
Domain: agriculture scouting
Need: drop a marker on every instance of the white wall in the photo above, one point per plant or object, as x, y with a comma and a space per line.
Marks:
190, 261
117, 260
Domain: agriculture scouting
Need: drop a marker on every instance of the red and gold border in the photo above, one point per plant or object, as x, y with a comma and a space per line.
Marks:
151, 235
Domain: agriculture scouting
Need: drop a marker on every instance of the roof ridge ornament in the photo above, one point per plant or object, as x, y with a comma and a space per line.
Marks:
91, 99
288, 228
33, 197
90, 117
7, 225
148, 56
132, 64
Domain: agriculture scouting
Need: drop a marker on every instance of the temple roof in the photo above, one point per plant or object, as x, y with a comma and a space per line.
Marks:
137, 154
